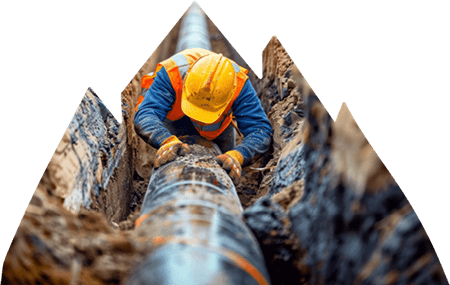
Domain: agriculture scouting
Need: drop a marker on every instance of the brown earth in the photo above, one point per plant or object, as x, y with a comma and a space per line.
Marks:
78, 228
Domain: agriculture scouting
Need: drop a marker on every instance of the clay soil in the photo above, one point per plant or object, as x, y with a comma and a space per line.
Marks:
60, 244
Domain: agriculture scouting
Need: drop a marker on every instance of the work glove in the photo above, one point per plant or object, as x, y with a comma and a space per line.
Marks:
232, 162
169, 150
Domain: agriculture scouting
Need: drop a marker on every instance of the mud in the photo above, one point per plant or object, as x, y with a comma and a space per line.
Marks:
321, 204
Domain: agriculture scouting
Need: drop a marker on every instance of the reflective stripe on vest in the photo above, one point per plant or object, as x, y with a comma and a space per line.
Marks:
237, 68
182, 63
212, 127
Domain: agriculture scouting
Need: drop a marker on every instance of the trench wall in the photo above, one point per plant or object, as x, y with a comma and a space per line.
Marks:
100, 164
331, 213
93, 182
81, 168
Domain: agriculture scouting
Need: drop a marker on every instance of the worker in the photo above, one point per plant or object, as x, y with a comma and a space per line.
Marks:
199, 92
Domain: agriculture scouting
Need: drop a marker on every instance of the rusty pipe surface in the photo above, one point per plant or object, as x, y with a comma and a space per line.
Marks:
193, 30
193, 216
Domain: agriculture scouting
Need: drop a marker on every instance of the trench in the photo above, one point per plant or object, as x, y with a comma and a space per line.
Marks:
151, 222
142, 154
304, 210
257, 177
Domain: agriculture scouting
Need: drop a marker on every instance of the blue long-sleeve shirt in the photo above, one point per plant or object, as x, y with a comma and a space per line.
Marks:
247, 109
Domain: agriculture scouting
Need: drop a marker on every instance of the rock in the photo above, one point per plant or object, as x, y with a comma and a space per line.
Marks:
290, 169
300, 109
291, 83
291, 118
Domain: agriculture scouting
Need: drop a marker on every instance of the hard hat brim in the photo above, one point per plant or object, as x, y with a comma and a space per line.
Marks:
197, 113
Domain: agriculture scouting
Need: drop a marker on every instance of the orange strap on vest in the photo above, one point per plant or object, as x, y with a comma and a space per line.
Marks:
176, 68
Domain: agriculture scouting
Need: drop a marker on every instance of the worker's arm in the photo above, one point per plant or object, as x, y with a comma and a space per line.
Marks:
154, 108
253, 123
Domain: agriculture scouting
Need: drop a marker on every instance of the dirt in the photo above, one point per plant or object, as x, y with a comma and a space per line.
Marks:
320, 194
290, 195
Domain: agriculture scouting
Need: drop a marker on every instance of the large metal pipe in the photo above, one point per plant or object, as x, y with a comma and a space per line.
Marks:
192, 214
194, 30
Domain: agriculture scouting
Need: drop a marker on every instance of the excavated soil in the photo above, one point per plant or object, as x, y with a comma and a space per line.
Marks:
320, 202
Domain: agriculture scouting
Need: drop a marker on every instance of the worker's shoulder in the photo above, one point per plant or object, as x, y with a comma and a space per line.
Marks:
247, 94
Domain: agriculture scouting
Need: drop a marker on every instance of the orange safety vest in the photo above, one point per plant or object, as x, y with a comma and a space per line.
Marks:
176, 68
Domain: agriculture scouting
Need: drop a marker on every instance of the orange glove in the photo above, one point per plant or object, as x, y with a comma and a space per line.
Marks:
231, 161
169, 150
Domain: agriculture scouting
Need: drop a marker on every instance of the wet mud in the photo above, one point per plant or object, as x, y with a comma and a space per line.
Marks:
320, 203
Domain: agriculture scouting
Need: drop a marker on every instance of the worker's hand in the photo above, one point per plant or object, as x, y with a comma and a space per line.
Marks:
169, 150
231, 161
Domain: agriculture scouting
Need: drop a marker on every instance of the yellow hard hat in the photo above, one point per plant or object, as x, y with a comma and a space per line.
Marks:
208, 88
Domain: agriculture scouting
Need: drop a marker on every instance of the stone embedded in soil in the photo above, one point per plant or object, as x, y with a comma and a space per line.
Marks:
290, 169
290, 83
